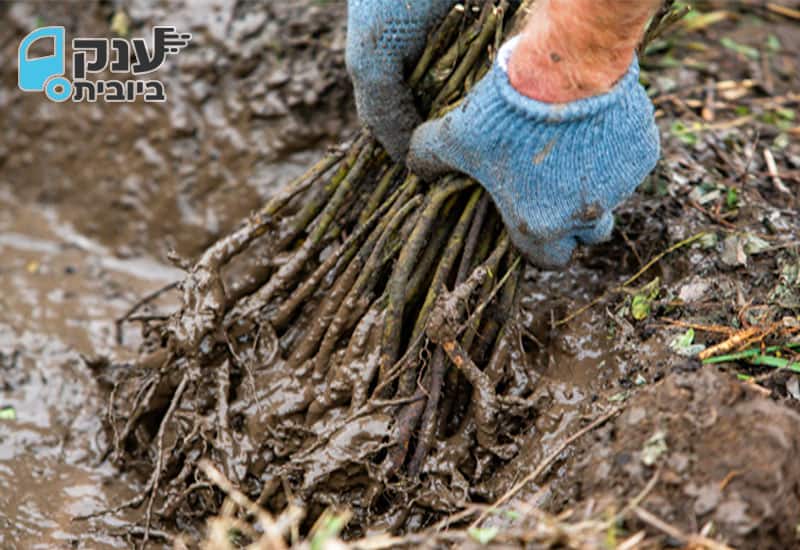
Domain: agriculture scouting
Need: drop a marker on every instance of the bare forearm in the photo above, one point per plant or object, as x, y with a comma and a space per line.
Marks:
572, 49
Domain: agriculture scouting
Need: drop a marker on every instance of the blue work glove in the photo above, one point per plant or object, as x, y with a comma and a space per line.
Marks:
555, 172
384, 39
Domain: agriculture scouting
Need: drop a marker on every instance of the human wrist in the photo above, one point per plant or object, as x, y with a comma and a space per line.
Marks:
568, 52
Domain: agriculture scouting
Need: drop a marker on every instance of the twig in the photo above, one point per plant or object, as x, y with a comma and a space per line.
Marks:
703, 328
712, 216
772, 167
638, 499
545, 464
784, 10
631, 280
692, 541
630, 244
138, 531
176, 398
738, 340
142, 301
265, 520
482, 306
721, 86
134, 502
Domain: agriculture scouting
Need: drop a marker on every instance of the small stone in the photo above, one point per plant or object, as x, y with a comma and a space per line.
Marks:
636, 415
733, 253
694, 291
708, 497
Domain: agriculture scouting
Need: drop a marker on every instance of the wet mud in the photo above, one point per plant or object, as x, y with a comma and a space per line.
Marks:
60, 293
256, 85
723, 454
95, 199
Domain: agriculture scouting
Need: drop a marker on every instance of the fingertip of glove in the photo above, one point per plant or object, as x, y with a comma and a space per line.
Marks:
425, 165
551, 255
600, 233
395, 143
422, 159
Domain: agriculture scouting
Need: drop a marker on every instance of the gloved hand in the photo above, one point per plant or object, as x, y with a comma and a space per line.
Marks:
384, 38
555, 172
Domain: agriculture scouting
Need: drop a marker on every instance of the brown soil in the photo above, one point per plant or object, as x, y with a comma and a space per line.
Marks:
728, 457
93, 197
242, 116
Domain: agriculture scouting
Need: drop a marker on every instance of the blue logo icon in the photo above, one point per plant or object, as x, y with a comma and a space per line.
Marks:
44, 73
94, 55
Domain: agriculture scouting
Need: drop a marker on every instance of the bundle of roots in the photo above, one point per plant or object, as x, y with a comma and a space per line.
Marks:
349, 341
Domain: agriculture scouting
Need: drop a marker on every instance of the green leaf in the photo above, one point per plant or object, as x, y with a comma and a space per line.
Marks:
708, 240
8, 413
684, 344
684, 133
121, 23
775, 362
483, 535
732, 198
685, 340
761, 358
640, 308
331, 527
654, 448
782, 118
773, 44
786, 114
747, 51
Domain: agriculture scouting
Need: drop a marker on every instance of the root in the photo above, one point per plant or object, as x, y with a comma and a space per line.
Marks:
153, 484
405, 263
203, 291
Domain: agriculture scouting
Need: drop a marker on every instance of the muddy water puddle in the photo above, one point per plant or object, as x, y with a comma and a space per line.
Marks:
60, 293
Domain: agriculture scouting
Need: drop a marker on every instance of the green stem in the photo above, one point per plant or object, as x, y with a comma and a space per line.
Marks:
390, 346
476, 49
442, 37
289, 271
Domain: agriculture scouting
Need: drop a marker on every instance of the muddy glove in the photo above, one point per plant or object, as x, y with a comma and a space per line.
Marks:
555, 172
384, 39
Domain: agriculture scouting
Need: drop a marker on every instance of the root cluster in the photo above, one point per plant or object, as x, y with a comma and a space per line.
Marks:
349, 342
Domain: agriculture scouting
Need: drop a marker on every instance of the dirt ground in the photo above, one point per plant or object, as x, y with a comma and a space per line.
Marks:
96, 198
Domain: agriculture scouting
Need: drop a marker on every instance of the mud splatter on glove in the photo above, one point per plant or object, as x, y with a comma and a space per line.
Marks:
384, 38
555, 172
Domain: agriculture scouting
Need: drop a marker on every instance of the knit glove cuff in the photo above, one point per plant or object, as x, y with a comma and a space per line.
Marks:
626, 88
